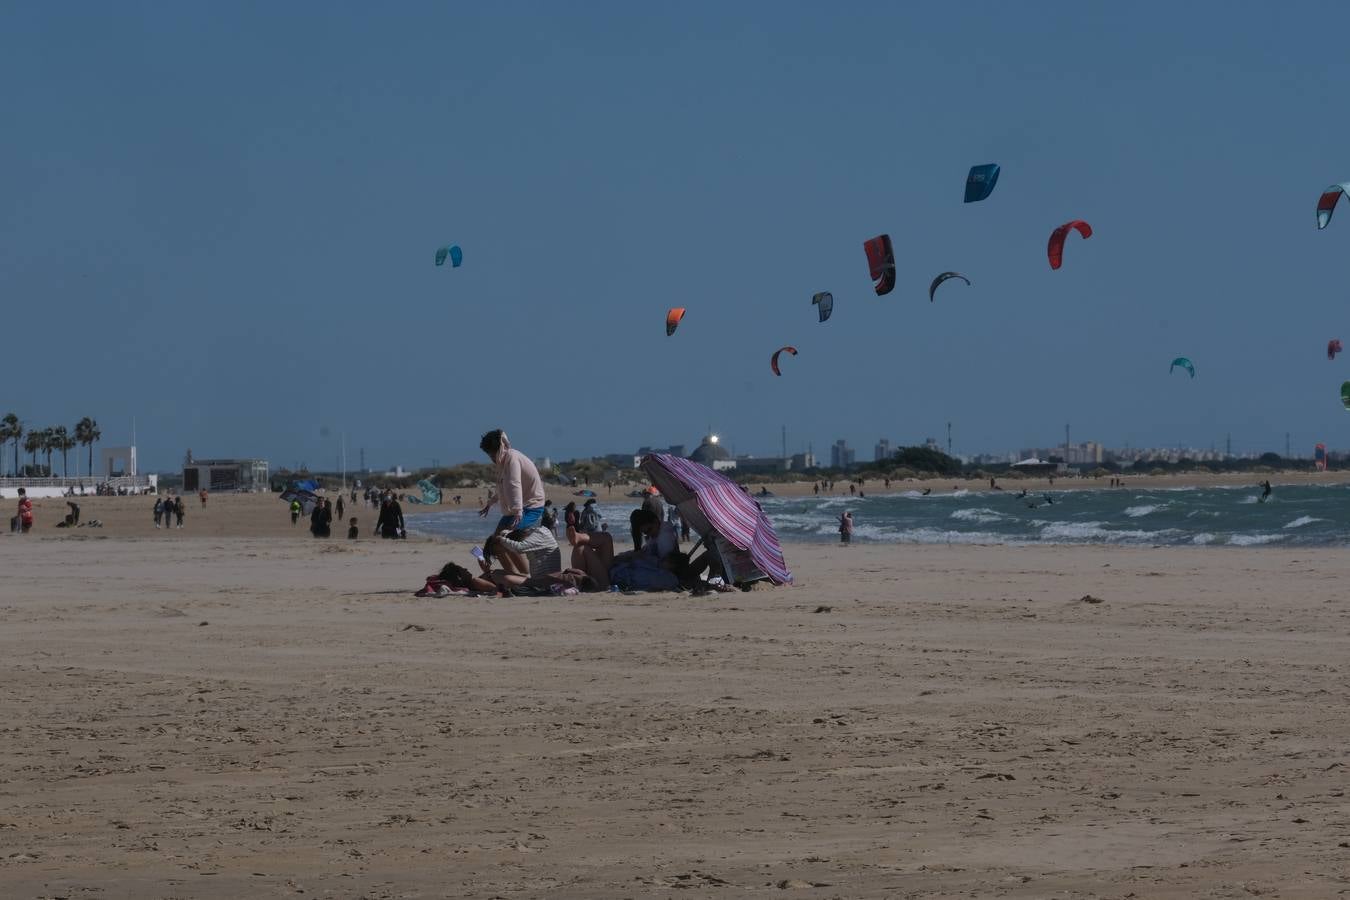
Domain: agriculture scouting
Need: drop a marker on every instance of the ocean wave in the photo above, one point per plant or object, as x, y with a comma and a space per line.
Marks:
1134, 512
1203, 538
1252, 540
1093, 532
979, 515
1303, 520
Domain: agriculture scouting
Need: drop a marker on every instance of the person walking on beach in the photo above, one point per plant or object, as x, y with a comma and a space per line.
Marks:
25, 512
295, 511
201, 495
159, 510
520, 490
339, 506
390, 522
846, 527
321, 520
178, 510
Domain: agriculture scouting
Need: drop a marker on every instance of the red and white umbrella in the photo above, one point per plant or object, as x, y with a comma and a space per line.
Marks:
712, 503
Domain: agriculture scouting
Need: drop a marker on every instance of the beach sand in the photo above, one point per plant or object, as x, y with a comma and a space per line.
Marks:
203, 716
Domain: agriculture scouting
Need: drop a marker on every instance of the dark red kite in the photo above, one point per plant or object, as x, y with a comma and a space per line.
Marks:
881, 263
1056, 248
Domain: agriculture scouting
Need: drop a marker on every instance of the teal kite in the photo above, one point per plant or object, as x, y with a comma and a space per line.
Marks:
1181, 362
451, 250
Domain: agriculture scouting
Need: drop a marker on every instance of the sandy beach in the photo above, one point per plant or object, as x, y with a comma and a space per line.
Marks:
197, 716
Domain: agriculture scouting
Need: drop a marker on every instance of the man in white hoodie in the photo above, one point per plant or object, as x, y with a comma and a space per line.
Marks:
520, 490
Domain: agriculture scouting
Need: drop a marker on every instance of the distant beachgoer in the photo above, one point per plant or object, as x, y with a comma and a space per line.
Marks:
25, 512
296, 509
852, 488
846, 527
590, 518
390, 522
520, 490
73, 517
340, 507
571, 518
321, 520
652, 503
550, 518
352, 532
201, 495
1265, 490
815, 489
159, 510
179, 510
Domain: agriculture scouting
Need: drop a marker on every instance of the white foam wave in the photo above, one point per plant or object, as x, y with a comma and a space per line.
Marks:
1092, 531
1303, 520
1252, 540
1203, 538
979, 515
1135, 512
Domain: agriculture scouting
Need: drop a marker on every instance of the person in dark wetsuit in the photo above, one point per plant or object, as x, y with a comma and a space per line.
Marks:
1265, 490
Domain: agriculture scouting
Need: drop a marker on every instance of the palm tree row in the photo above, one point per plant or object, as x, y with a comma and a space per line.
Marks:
56, 439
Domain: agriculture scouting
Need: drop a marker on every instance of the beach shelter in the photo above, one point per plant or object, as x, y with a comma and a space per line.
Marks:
717, 508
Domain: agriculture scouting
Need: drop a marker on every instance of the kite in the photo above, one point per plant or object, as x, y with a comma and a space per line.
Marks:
773, 363
941, 278
1056, 248
881, 263
980, 182
1184, 363
673, 318
451, 250
824, 303
1333, 347
430, 493
1326, 204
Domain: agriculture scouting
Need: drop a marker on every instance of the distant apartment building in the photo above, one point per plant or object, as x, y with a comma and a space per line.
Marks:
1085, 454
841, 455
803, 461
883, 451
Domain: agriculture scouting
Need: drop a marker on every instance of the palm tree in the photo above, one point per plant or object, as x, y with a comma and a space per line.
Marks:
11, 429
32, 443
87, 433
49, 446
62, 442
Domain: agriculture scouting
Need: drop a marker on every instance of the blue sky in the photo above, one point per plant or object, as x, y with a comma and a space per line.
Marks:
219, 219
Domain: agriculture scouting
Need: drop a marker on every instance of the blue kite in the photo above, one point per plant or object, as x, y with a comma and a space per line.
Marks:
980, 182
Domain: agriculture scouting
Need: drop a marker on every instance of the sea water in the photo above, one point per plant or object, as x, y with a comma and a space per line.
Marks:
1299, 516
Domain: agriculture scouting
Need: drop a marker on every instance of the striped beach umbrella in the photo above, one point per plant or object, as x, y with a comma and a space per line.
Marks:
713, 504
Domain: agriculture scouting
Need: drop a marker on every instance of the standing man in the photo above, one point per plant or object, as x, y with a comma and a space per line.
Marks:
520, 490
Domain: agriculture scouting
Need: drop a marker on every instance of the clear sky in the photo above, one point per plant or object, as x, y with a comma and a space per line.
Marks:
220, 218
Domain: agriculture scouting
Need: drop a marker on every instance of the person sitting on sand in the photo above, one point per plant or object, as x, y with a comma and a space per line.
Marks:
352, 531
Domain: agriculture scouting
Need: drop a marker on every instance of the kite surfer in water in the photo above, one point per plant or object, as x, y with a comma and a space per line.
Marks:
1265, 491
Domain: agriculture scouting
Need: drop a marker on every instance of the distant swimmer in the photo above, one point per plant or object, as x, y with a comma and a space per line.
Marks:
1050, 500
1023, 494
926, 492
1265, 491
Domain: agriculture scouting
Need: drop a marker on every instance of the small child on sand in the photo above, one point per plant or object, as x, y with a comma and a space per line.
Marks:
352, 533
